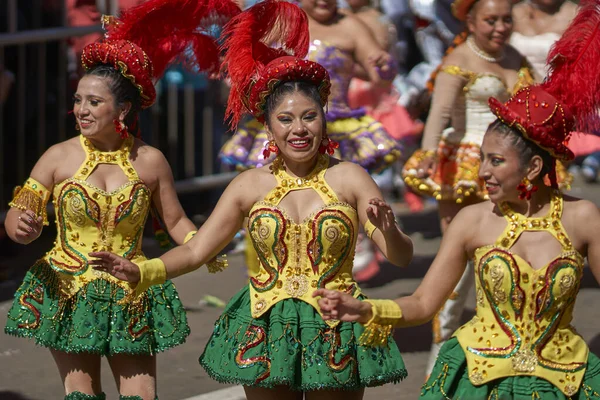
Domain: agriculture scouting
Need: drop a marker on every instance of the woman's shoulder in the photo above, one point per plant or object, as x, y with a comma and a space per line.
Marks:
581, 210
459, 57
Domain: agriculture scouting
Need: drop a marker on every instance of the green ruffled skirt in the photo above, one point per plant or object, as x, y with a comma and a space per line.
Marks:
449, 380
92, 321
291, 345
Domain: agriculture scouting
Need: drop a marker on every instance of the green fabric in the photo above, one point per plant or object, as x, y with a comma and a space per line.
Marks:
449, 380
291, 345
83, 396
92, 321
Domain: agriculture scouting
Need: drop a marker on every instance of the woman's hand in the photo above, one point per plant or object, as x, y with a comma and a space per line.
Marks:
381, 215
119, 267
29, 227
427, 166
342, 306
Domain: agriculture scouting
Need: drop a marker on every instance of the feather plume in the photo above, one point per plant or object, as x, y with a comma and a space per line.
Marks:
573, 62
165, 28
264, 32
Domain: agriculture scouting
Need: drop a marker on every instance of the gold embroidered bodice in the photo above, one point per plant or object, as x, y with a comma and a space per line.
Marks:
471, 114
522, 324
297, 258
90, 219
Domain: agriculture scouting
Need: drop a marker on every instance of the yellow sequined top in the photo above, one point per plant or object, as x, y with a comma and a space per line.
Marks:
523, 319
90, 219
297, 258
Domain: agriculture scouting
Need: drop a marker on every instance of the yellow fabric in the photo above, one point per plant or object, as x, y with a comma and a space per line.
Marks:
386, 314
189, 236
90, 219
522, 324
152, 272
32, 196
297, 258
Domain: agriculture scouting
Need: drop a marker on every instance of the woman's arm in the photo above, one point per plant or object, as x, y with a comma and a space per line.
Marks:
367, 52
588, 217
222, 225
165, 199
25, 219
393, 243
441, 278
447, 90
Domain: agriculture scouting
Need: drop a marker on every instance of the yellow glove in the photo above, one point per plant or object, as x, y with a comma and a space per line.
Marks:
386, 313
152, 272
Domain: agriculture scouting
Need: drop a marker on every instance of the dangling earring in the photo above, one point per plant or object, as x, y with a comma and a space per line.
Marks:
270, 147
328, 146
77, 127
121, 128
526, 189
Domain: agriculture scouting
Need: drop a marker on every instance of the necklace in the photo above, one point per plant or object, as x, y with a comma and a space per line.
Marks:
482, 54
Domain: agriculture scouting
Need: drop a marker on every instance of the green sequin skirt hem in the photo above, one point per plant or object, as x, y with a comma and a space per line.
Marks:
291, 345
449, 380
93, 321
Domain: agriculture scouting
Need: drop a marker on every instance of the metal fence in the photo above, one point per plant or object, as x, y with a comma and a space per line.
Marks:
185, 123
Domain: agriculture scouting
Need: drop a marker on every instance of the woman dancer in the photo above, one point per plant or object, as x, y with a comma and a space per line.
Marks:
482, 65
103, 184
520, 343
303, 214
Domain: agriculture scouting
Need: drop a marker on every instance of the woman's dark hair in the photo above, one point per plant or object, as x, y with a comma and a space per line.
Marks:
122, 89
307, 89
525, 148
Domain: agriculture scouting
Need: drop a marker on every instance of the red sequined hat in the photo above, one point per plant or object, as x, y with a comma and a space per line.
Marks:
147, 38
284, 69
568, 100
255, 69
460, 8
540, 117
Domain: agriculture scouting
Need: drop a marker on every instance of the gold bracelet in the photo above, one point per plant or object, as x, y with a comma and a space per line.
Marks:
32, 196
369, 229
386, 313
218, 264
189, 236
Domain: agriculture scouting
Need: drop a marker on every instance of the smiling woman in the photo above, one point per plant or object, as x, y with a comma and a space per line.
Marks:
527, 244
303, 213
103, 184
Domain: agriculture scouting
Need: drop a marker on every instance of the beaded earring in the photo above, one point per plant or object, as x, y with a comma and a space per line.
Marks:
328, 146
526, 189
121, 128
270, 147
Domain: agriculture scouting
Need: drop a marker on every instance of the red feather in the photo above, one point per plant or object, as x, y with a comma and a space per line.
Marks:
574, 78
264, 32
165, 28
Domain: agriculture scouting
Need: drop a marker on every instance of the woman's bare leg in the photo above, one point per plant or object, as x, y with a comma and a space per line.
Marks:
80, 372
135, 375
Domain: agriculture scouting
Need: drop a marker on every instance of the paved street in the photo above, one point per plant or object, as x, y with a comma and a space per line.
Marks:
27, 372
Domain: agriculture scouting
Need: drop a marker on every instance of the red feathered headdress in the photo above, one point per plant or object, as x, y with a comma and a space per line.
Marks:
255, 68
546, 114
147, 38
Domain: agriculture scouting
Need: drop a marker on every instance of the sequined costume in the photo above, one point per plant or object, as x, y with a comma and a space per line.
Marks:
520, 344
458, 150
271, 332
66, 305
362, 140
